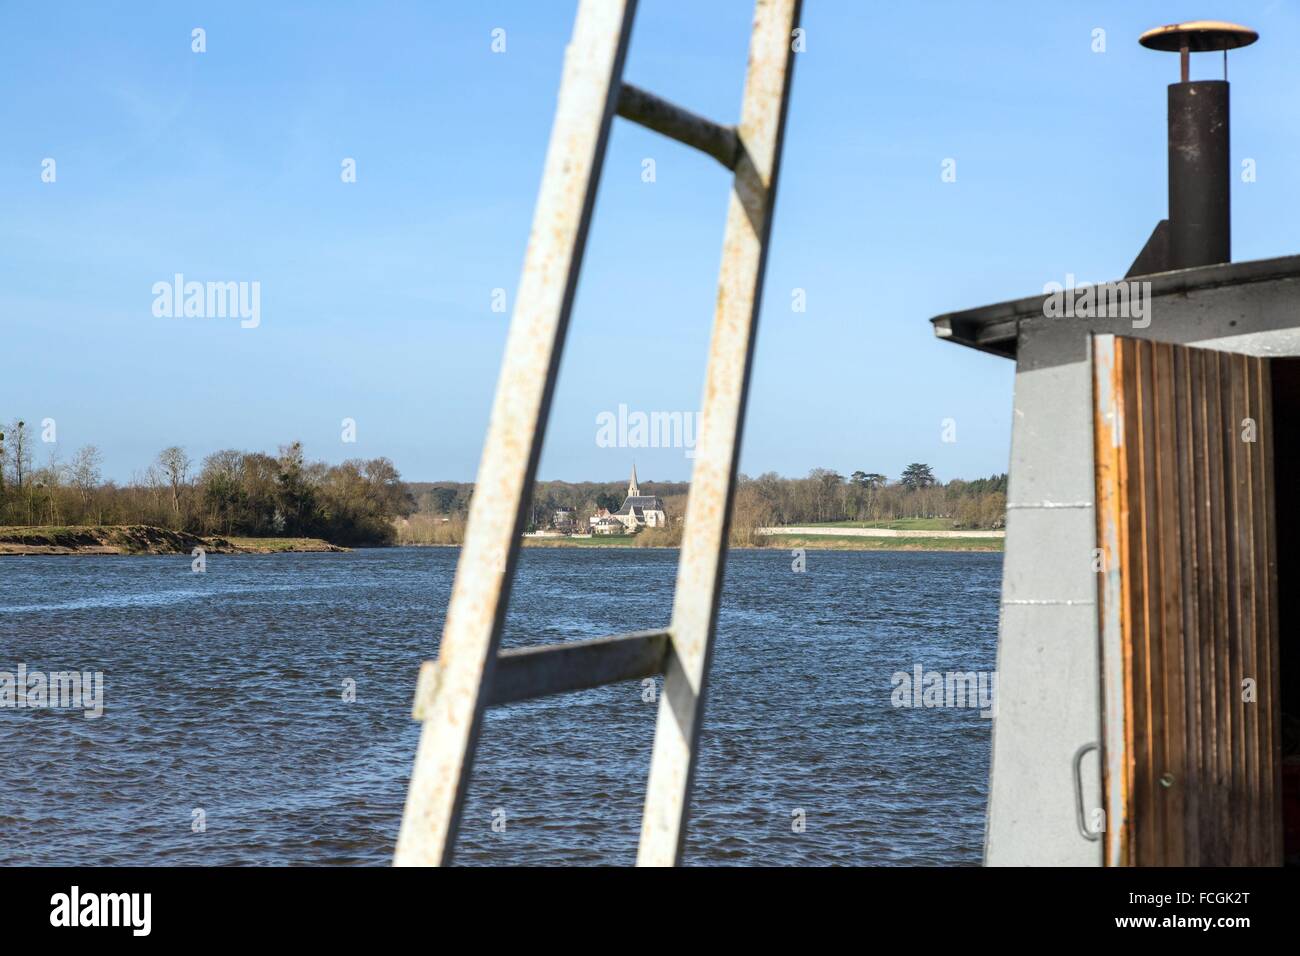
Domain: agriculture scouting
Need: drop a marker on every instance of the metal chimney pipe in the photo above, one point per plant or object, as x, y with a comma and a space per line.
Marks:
1200, 184
1200, 221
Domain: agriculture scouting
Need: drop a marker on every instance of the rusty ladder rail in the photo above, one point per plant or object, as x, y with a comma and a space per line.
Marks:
471, 672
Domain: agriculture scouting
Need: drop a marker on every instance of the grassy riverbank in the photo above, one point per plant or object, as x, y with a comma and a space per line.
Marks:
902, 524
281, 545
145, 539
141, 539
832, 542
823, 542
595, 541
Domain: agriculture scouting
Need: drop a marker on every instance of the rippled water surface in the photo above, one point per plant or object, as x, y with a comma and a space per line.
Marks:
224, 692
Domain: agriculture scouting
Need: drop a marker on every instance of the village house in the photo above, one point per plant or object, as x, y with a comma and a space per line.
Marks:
564, 521
640, 511
602, 522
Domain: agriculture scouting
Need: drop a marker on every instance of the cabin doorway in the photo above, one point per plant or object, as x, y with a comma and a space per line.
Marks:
1197, 583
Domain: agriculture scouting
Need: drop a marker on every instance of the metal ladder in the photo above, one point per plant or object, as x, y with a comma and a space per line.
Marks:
471, 673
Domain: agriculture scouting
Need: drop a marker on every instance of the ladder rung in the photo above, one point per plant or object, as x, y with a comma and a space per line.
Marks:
524, 673
657, 114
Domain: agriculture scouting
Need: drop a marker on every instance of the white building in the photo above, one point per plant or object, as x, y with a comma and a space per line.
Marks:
640, 511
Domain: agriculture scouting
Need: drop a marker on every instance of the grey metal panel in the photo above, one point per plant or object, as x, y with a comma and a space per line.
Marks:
1263, 312
1283, 342
1046, 709
1220, 300
1051, 427
1067, 579
1047, 643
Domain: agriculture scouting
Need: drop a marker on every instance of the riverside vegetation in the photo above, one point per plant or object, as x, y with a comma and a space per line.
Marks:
231, 494
253, 501
825, 497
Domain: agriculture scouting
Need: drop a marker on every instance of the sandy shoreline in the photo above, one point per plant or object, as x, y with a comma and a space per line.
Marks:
142, 539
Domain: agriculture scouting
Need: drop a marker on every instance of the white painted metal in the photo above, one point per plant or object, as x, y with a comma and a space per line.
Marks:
704, 545
593, 69
470, 674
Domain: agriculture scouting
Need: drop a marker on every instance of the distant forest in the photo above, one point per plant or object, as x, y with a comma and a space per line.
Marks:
365, 502
769, 499
229, 493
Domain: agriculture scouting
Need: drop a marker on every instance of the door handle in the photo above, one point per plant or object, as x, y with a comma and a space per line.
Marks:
1078, 792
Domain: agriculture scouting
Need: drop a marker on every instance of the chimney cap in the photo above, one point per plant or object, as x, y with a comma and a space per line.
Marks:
1199, 36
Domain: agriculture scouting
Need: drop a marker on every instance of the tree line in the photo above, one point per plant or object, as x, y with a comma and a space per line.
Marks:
236, 493
229, 493
826, 495
768, 500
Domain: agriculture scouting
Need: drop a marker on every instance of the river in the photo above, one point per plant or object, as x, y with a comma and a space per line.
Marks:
228, 735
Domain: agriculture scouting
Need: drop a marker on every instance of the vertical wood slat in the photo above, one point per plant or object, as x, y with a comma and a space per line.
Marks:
1261, 665
1270, 688
1219, 836
1256, 724
1245, 440
1149, 752
1188, 504
1236, 618
1189, 565
1171, 670
1202, 629
731, 349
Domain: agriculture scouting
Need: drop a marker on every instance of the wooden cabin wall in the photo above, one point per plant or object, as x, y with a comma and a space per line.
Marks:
1189, 485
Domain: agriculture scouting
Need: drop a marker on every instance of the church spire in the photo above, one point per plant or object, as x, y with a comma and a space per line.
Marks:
633, 490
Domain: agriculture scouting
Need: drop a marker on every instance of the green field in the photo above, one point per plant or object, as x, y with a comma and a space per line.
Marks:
833, 542
903, 524
275, 545
824, 542
595, 541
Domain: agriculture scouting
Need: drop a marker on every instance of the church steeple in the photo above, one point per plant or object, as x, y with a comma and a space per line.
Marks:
632, 490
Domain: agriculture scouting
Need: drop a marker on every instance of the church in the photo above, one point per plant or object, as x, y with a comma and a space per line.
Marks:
638, 511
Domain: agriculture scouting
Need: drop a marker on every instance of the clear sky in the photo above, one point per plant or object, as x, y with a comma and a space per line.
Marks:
376, 295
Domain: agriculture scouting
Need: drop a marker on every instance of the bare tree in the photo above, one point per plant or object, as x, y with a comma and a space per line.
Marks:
175, 465
43, 490
85, 475
19, 450
148, 491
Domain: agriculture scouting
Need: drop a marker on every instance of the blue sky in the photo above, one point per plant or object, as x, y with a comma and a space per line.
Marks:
376, 296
